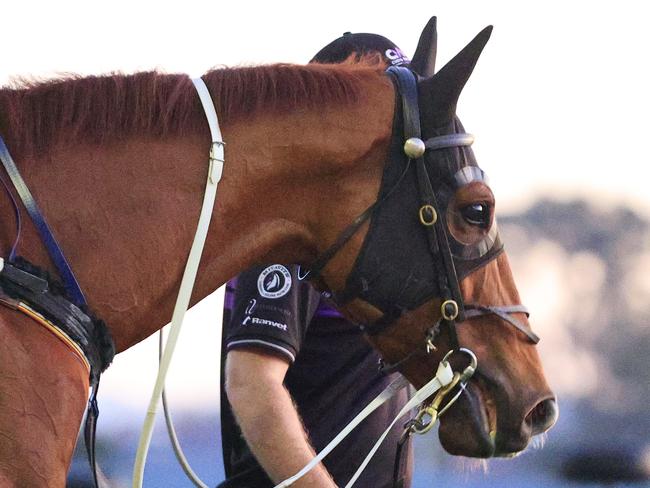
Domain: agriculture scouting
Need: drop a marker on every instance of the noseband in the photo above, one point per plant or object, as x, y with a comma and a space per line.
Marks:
401, 289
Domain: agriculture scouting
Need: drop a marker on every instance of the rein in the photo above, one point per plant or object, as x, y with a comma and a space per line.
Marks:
215, 171
443, 383
84, 335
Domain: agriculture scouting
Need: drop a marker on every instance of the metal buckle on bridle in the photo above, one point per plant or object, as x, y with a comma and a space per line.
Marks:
431, 216
449, 310
216, 161
428, 415
430, 345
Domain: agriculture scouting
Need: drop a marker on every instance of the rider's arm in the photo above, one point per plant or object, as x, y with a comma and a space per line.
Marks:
268, 418
269, 320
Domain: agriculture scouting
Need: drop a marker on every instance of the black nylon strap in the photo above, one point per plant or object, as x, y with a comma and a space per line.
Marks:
92, 336
407, 88
402, 448
24, 279
319, 264
19, 226
437, 237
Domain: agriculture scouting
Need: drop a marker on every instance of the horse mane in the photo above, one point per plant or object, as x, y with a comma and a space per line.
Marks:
98, 109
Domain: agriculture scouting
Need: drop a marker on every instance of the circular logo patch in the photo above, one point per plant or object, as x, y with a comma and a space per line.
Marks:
274, 281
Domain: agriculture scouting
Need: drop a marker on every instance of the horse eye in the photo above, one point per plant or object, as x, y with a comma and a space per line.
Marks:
477, 214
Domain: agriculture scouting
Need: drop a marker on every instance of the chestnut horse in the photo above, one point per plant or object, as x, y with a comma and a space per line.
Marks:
117, 164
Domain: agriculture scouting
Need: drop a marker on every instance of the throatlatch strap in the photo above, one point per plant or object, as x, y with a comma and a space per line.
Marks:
69, 281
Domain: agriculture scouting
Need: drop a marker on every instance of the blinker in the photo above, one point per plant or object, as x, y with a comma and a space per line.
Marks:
399, 267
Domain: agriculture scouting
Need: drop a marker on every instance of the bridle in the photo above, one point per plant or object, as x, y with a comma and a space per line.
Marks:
408, 150
405, 156
452, 308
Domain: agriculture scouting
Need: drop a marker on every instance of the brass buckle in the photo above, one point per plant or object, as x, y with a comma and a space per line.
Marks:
434, 215
454, 310
429, 415
213, 150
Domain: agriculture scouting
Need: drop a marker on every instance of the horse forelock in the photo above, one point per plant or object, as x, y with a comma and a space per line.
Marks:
100, 109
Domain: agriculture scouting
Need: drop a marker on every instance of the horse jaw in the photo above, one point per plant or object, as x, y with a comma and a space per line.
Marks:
465, 429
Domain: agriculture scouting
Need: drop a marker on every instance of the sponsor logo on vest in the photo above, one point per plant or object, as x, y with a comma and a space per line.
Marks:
268, 307
251, 306
258, 321
274, 281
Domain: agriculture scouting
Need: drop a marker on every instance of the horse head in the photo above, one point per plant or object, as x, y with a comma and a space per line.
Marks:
432, 276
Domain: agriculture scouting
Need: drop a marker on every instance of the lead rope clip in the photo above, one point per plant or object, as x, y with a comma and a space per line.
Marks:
428, 415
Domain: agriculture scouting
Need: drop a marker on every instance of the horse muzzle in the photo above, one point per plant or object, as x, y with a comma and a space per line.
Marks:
484, 424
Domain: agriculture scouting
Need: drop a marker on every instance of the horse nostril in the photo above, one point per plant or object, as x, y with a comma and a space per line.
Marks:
543, 416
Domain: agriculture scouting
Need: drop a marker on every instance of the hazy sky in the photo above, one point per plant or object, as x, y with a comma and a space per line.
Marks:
559, 101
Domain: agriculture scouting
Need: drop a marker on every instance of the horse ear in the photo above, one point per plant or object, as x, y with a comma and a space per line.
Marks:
424, 59
440, 92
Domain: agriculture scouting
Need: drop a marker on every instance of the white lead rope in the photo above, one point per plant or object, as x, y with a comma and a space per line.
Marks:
215, 171
443, 377
390, 391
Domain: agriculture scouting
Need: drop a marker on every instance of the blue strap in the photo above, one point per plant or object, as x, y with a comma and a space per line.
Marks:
19, 225
69, 281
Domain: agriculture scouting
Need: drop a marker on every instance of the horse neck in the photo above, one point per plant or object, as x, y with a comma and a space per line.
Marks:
125, 214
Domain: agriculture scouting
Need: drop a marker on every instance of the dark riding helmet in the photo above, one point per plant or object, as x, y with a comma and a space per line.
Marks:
340, 49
